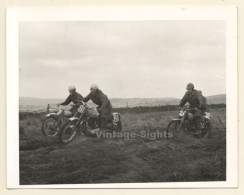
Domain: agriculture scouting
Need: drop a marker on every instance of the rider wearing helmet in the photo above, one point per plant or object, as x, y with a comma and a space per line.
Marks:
196, 100
73, 97
203, 106
104, 104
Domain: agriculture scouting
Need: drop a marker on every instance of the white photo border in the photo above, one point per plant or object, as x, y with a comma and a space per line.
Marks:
16, 15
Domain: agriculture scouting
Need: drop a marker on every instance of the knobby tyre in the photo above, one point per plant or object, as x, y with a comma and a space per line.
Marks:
173, 128
207, 130
68, 132
51, 126
119, 127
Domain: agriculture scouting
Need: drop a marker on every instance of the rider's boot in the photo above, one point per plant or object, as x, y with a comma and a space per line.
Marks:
93, 131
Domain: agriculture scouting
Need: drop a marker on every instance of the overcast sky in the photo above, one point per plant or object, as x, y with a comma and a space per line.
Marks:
126, 59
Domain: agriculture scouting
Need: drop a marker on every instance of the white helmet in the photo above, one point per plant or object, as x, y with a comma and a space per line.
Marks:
94, 87
72, 88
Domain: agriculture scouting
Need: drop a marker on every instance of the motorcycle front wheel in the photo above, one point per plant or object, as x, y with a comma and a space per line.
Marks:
51, 126
173, 128
68, 132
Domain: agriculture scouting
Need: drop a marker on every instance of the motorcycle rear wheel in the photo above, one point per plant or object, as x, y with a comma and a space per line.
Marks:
119, 127
68, 132
206, 131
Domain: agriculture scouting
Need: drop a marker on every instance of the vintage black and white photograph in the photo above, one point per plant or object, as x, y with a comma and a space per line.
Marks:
122, 101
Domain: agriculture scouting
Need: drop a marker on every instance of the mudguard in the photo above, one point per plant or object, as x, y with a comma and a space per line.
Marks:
51, 114
176, 119
73, 118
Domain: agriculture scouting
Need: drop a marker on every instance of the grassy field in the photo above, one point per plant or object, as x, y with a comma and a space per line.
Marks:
92, 160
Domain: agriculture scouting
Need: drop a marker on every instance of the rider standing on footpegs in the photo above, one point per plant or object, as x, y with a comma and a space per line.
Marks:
73, 97
198, 104
104, 105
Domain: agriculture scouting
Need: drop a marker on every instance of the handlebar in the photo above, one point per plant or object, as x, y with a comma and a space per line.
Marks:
183, 108
83, 103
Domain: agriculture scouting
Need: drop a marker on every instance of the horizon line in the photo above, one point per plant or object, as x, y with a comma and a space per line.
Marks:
122, 97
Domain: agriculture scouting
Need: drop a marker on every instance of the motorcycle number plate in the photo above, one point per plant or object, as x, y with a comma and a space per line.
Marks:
81, 109
207, 115
116, 118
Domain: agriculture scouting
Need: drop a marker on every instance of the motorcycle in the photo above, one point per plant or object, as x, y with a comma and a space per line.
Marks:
85, 121
188, 123
51, 126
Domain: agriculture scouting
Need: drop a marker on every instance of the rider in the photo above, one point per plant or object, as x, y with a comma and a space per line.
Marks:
204, 107
104, 104
196, 100
73, 97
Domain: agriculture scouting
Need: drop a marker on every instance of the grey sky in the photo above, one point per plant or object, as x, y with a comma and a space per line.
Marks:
126, 59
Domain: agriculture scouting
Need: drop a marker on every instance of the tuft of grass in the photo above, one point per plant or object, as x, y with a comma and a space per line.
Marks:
92, 160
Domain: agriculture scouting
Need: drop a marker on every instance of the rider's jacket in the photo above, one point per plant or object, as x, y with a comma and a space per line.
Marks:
72, 98
195, 99
101, 100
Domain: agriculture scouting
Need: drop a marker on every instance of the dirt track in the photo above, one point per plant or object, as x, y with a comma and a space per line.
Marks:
92, 160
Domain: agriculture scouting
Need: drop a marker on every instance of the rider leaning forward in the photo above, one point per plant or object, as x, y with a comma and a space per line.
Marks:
73, 97
104, 104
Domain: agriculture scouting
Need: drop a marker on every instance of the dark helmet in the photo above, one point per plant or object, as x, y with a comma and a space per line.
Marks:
189, 86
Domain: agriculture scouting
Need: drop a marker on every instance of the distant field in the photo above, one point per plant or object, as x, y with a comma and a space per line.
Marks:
27, 103
92, 160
